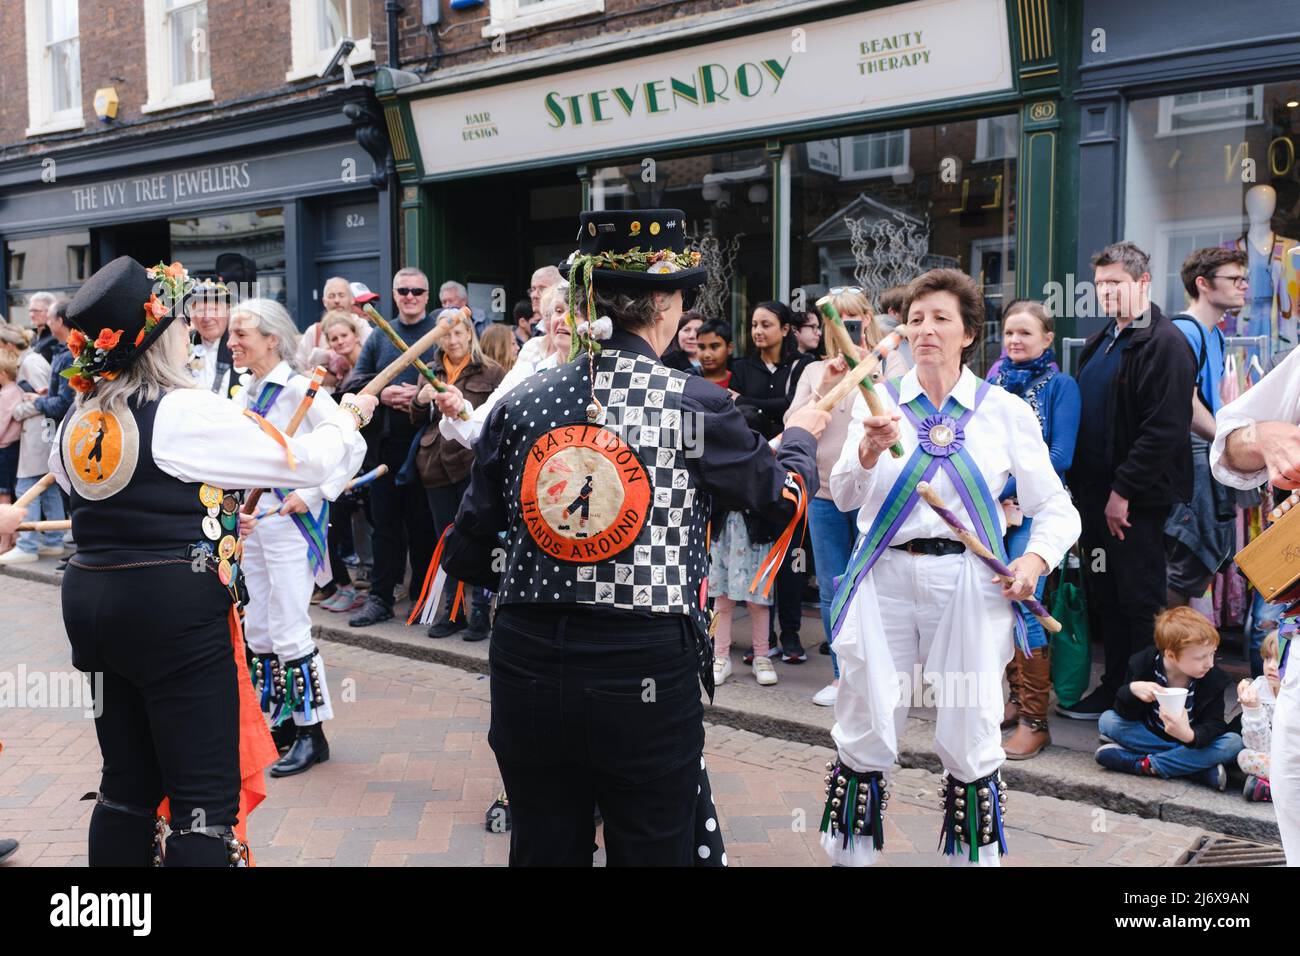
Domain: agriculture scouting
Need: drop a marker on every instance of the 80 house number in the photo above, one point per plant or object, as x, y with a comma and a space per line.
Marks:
354, 220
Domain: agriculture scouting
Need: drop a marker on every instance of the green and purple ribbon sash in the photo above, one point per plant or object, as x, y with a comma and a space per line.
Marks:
313, 528
940, 445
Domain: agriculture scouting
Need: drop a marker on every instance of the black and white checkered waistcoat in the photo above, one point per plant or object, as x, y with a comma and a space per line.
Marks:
663, 570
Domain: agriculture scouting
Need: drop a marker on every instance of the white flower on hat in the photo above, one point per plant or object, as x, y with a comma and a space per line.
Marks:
600, 330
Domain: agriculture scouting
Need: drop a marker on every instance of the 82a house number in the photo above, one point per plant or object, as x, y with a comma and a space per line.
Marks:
354, 220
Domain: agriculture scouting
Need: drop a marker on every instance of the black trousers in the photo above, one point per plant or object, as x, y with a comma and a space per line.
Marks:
168, 699
1127, 589
444, 502
403, 527
587, 713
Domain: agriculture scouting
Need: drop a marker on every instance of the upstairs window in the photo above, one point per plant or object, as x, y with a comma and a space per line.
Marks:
179, 56
318, 26
53, 66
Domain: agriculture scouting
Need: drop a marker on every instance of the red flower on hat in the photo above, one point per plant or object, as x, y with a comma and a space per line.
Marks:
154, 309
108, 339
175, 271
139, 337
75, 342
81, 383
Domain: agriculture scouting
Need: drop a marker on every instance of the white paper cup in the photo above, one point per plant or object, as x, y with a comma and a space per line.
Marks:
1172, 700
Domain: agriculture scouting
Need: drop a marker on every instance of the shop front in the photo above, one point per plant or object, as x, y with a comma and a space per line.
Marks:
846, 149
1190, 136
302, 213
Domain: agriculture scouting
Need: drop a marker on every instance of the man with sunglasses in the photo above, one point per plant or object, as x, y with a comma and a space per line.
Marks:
1199, 536
403, 525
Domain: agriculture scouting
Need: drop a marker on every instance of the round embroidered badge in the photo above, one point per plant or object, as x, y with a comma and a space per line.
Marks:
100, 450
585, 494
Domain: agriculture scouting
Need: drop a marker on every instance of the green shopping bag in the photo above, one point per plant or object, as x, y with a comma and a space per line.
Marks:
1071, 655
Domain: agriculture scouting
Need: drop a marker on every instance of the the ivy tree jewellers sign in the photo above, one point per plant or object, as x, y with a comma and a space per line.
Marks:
914, 53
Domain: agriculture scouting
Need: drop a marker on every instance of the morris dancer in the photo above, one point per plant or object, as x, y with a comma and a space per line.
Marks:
287, 550
590, 630
1257, 440
913, 597
178, 717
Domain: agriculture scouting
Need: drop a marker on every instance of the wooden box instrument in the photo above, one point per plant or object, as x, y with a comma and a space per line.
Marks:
1272, 561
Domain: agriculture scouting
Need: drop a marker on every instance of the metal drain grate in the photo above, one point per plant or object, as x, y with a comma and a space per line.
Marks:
1231, 851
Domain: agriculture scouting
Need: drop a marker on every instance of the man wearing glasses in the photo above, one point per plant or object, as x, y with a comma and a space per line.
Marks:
1200, 536
402, 523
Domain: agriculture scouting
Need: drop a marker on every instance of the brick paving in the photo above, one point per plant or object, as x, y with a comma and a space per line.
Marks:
411, 775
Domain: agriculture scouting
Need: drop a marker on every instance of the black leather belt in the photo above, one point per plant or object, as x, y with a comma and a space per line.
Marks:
930, 546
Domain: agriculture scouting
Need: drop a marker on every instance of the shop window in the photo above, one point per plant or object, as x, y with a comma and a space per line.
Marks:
179, 58
512, 15
919, 210
1210, 110
257, 234
1218, 168
875, 154
56, 263
727, 198
996, 137
53, 66
317, 26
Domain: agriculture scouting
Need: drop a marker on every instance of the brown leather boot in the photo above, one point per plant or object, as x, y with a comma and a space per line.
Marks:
1031, 734
1011, 712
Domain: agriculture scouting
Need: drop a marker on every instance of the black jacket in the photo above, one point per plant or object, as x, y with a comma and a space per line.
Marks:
1149, 413
769, 392
1206, 717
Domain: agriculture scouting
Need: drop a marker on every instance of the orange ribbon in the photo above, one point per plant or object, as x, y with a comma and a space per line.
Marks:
776, 557
276, 434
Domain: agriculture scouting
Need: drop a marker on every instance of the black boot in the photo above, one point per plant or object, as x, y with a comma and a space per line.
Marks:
478, 625
284, 735
205, 846
309, 748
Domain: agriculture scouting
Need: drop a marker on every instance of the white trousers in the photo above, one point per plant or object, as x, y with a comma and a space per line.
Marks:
934, 631
1285, 765
278, 619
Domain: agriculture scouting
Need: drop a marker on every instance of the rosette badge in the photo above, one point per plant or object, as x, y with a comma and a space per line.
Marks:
940, 435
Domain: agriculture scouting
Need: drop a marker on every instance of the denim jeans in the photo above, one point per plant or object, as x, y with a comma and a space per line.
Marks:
1017, 541
48, 507
1261, 612
1168, 757
833, 532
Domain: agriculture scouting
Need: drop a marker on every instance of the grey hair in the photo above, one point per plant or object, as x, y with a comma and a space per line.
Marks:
628, 312
550, 272
271, 318
410, 271
345, 282
547, 304
146, 379
453, 284
49, 298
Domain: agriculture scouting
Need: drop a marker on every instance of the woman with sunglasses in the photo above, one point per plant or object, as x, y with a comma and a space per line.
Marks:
832, 530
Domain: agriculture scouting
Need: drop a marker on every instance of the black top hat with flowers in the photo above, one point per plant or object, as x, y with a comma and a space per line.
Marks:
119, 312
637, 251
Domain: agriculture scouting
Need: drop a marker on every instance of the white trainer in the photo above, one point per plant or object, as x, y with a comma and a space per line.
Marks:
721, 670
826, 696
764, 672
16, 556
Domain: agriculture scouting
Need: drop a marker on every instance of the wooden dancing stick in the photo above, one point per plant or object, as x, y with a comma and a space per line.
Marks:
34, 492
411, 355
438, 385
1050, 624
845, 343
317, 377
848, 384
367, 478
63, 524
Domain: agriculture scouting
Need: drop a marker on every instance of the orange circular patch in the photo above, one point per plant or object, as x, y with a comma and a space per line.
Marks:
585, 494
96, 447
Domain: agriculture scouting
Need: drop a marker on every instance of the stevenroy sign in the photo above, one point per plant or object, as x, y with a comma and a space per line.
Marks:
847, 66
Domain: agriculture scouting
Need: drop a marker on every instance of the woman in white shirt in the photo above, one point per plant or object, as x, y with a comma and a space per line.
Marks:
916, 614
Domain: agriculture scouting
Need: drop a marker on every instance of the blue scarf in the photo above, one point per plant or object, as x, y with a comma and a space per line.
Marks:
1015, 377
